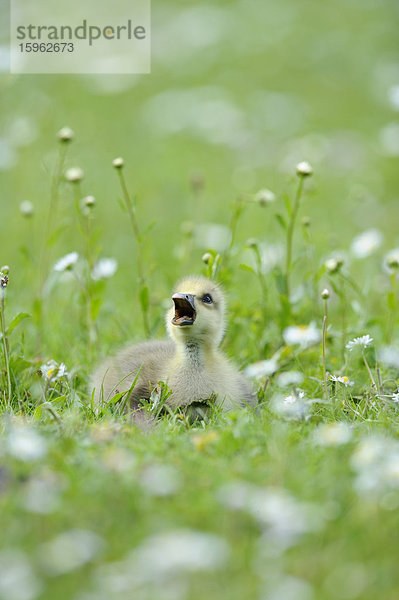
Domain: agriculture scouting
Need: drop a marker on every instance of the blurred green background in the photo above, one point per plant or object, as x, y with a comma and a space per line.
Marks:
239, 93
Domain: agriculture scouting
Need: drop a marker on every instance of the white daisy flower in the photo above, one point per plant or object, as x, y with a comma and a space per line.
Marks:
302, 335
53, 371
342, 379
395, 397
66, 262
363, 341
366, 243
104, 268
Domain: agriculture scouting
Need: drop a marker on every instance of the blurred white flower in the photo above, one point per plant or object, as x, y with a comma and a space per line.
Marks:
391, 260
180, 550
265, 197
25, 443
70, 550
8, 154
74, 174
283, 517
17, 579
271, 255
389, 139
66, 262
212, 236
290, 588
389, 356
332, 434
26, 208
119, 460
118, 162
104, 268
334, 264
160, 480
65, 134
22, 131
302, 335
51, 370
207, 113
376, 462
393, 96
366, 243
341, 379
289, 378
41, 495
325, 294
293, 406
261, 368
395, 397
304, 169
364, 341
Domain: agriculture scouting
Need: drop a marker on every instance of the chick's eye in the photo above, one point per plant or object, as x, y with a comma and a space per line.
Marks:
207, 299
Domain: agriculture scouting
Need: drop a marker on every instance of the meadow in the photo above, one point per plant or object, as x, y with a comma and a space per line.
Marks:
262, 152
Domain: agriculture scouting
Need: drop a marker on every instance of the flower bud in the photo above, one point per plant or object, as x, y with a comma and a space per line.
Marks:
325, 294
333, 265
265, 197
74, 174
26, 208
252, 243
207, 257
197, 181
89, 201
118, 163
306, 221
65, 135
393, 262
304, 169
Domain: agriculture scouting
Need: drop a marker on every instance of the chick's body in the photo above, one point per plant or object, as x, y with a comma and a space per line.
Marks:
191, 363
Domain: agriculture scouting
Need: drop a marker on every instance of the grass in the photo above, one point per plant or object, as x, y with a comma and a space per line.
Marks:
298, 499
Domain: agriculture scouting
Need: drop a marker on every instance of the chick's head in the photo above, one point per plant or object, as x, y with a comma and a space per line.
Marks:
198, 312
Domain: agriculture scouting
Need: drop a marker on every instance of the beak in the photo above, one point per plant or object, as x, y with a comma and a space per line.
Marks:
185, 313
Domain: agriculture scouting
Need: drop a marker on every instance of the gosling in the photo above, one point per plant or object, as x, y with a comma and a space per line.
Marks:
191, 363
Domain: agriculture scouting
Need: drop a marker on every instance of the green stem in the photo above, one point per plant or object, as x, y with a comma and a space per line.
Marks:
373, 383
55, 184
259, 273
5, 347
324, 352
136, 231
290, 234
51, 217
392, 307
343, 312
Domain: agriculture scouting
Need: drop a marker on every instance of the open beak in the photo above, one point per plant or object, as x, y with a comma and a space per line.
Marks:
185, 312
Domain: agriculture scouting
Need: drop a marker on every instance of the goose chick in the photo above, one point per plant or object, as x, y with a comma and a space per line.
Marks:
191, 363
